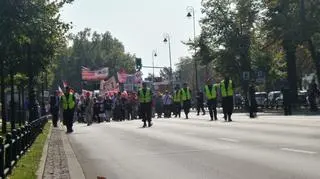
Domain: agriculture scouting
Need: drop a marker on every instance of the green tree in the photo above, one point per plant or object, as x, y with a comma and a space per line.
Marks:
94, 51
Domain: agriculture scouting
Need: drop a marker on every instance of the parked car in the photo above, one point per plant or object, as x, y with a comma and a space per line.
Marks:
261, 97
303, 98
270, 102
238, 101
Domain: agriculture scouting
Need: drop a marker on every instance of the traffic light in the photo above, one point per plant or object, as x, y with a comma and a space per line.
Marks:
138, 64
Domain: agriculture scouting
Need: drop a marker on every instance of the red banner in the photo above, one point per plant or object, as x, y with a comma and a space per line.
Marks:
94, 75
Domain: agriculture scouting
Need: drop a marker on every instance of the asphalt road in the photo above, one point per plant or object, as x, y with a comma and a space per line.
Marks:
270, 147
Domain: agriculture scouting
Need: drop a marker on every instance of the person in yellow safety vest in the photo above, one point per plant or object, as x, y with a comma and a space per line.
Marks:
145, 99
211, 91
177, 101
226, 87
186, 99
68, 104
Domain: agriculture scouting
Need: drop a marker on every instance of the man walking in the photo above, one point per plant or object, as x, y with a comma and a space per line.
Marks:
186, 99
68, 105
167, 102
88, 108
145, 98
200, 101
227, 92
54, 108
211, 94
177, 101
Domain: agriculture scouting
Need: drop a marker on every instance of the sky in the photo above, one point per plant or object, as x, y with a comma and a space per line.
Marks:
140, 25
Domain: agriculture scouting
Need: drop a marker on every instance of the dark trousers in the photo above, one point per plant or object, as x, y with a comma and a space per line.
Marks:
177, 107
167, 111
212, 106
200, 106
146, 112
55, 119
68, 119
186, 107
227, 105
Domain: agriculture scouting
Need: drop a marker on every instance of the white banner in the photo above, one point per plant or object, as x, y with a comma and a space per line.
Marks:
108, 85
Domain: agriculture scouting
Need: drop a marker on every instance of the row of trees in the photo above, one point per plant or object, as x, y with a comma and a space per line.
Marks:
31, 37
279, 37
94, 51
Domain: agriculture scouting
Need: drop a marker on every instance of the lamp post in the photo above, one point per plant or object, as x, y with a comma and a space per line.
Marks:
191, 14
167, 39
154, 55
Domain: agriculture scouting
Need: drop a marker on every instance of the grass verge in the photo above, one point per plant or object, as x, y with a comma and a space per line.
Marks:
28, 165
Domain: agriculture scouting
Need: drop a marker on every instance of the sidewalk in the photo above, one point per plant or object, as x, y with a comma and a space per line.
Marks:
59, 160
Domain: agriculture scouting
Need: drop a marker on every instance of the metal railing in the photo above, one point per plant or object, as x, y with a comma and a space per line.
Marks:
14, 145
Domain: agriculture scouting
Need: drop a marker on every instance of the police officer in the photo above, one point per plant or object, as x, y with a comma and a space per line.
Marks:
211, 94
226, 87
186, 99
68, 105
145, 98
177, 101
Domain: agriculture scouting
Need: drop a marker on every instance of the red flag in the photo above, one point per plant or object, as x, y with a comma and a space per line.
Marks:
65, 84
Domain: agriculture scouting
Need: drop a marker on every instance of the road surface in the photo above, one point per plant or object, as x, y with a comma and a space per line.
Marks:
270, 147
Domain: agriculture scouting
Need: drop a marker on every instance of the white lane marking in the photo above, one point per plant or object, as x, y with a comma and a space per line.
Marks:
229, 140
298, 151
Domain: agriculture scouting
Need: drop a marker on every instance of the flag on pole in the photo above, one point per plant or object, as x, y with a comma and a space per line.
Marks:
60, 91
65, 84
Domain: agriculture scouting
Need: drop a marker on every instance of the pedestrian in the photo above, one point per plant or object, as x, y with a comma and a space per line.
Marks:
108, 107
54, 108
117, 107
158, 104
145, 98
313, 93
226, 87
68, 104
211, 91
167, 103
96, 110
253, 107
177, 101
200, 101
88, 103
186, 99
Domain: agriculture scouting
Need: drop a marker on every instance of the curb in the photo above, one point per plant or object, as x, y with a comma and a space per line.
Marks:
43, 159
75, 169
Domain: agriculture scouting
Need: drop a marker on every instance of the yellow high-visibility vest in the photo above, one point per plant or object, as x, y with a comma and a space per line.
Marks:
177, 96
186, 95
145, 98
211, 94
68, 103
226, 92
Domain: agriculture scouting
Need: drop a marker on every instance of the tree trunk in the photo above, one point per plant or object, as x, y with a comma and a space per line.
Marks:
290, 50
3, 96
315, 57
12, 102
32, 98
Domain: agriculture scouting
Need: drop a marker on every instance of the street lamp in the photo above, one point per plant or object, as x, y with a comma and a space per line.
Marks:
167, 39
191, 14
154, 55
